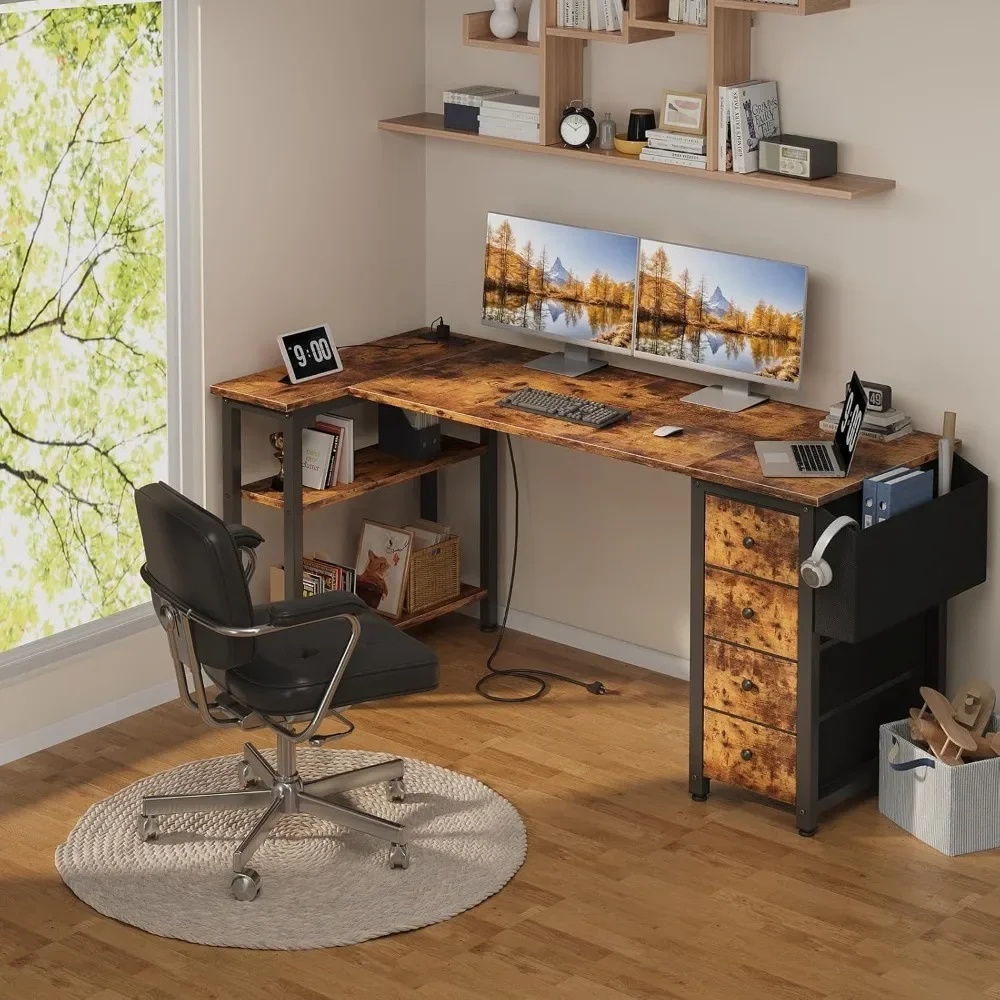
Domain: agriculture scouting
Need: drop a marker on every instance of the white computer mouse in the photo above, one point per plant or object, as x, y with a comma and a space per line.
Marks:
665, 432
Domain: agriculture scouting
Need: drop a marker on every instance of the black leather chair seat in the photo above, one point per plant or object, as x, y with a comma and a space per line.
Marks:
292, 668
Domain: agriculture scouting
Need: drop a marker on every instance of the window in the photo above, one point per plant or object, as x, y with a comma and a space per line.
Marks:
84, 331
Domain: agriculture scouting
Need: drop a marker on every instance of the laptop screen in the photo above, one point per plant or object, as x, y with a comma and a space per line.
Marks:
845, 441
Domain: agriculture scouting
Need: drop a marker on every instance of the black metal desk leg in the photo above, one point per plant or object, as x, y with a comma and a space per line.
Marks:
807, 720
293, 507
698, 784
429, 496
489, 514
937, 652
232, 463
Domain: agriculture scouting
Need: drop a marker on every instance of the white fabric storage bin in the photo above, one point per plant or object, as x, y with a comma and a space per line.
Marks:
953, 809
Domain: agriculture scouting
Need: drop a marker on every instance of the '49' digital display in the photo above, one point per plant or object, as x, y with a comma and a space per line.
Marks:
309, 354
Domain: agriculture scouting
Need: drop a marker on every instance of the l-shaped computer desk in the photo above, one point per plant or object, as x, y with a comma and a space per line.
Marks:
788, 684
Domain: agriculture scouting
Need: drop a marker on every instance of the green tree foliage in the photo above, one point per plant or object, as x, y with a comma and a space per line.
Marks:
82, 309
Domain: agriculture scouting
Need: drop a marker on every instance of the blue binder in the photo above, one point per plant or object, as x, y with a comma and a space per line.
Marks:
869, 489
903, 492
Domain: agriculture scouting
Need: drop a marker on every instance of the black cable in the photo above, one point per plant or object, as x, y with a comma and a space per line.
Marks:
539, 677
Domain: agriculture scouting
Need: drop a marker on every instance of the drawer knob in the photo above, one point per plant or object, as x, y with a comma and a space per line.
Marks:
747, 684
747, 755
748, 613
748, 542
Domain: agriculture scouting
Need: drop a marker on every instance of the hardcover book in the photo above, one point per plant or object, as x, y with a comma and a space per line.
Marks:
753, 112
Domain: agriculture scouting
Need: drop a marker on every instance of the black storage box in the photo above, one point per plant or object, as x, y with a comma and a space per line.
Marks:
461, 117
908, 564
397, 436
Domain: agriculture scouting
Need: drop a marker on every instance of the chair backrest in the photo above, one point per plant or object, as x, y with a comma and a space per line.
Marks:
192, 560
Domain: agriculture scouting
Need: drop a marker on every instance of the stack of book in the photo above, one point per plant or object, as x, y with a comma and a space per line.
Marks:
748, 112
677, 148
689, 11
590, 15
321, 577
516, 116
462, 105
887, 426
328, 452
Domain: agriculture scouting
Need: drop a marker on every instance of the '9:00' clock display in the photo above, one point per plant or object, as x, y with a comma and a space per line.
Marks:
309, 354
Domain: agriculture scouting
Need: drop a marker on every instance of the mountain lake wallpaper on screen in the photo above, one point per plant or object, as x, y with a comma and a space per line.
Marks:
577, 284
739, 314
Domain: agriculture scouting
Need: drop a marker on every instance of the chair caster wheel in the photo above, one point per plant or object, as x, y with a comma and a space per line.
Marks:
246, 776
397, 791
399, 856
149, 827
246, 885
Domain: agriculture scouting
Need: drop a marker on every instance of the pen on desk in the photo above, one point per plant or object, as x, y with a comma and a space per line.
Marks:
946, 453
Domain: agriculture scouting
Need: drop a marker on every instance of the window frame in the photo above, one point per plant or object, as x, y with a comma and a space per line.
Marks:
185, 351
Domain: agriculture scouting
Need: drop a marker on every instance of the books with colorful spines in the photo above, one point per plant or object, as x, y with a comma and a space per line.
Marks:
868, 432
335, 423
754, 115
659, 138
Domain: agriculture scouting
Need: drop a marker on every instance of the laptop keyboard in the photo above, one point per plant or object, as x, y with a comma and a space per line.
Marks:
812, 458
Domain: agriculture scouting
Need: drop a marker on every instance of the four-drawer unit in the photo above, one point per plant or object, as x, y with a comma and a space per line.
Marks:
789, 685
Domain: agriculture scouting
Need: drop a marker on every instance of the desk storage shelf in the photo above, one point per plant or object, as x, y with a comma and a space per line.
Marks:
561, 80
373, 469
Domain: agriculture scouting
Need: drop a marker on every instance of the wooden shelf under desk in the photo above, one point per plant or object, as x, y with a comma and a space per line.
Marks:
373, 469
468, 595
846, 187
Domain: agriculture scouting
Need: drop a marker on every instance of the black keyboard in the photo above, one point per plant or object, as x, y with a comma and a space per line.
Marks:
569, 408
812, 458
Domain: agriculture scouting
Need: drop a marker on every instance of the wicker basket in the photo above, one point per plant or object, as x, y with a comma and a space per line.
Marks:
434, 575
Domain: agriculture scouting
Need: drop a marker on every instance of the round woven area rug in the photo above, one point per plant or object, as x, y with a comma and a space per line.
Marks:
322, 885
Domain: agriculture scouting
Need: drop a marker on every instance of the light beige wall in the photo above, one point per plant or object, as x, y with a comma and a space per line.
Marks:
901, 286
309, 217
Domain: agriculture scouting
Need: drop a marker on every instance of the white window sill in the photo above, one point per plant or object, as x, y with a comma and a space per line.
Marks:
75, 641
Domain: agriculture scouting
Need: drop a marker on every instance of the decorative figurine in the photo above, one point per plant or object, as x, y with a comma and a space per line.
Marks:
277, 440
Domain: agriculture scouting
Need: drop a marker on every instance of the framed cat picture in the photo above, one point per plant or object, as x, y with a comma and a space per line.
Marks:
382, 564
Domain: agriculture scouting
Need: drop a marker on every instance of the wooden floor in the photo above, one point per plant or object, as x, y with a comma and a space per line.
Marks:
629, 888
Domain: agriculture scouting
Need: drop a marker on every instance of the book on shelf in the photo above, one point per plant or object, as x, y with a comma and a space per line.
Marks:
871, 433
696, 12
753, 115
474, 94
319, 455
334, 423
674, 158
510, 115
521, 131
887, 420
598, 18
512, 102
659, 138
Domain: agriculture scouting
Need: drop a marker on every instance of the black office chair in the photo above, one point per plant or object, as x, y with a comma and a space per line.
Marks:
279, 665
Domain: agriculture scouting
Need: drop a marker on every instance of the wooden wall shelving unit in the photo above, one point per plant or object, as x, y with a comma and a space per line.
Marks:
561, 79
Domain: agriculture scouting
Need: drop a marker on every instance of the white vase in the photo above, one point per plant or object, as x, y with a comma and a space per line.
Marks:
534, 21
503, 21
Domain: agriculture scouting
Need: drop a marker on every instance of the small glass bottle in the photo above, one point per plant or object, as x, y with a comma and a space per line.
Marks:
606, 132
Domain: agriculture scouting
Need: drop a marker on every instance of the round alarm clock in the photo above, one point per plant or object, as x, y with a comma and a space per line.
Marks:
578, 126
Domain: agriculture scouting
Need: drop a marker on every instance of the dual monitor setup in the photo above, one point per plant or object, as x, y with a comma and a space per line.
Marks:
742, 318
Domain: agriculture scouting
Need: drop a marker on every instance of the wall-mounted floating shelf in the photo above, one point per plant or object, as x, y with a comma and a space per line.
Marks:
561, 80
476, 32
845, 187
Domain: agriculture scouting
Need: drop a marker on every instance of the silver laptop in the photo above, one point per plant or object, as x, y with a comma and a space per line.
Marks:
802, 459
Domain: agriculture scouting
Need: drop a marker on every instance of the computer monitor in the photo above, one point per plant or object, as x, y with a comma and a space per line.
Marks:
573, 285
742, 317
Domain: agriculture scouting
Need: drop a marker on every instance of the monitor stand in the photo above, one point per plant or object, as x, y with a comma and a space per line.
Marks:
573, 362
732, 398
